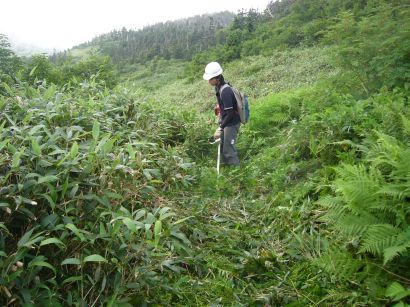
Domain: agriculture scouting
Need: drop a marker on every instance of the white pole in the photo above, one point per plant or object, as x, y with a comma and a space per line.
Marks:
219, 157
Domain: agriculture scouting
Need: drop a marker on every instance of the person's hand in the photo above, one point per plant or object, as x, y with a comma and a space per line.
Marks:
218, 132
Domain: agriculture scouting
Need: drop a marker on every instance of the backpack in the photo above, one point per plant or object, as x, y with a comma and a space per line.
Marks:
242, 103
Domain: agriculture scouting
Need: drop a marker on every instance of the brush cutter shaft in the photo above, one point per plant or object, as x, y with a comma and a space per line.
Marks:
219, 158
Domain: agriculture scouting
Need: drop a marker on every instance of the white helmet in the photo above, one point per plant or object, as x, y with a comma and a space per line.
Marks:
212, 70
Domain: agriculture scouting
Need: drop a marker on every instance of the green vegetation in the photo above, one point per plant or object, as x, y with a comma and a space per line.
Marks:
108, 189
82, 177
10, 64
179, 39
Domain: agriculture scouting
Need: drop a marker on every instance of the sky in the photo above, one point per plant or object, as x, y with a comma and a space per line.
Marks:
61, 24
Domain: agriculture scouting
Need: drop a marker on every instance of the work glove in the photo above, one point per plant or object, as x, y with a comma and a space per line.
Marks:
218, 132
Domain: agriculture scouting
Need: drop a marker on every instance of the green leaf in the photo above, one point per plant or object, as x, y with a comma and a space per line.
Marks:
35, 129
108, 146
164, 214
150, 219
94, 258
50, 201
76, 231
101, 143
25, 238
16, 158
31, 175
11, 149
51, 241
147, 174
2, 226
131, 151
72, 279
157, 232
74, 150
7, 88
42, 264
129, 223
37, 238
140, 213
64, 188
32, 71
73, 261
103, 232
150, 173
3, 144
44, 179
35, 147
96, 130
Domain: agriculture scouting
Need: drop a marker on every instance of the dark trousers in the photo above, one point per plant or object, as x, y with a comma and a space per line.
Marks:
228, 150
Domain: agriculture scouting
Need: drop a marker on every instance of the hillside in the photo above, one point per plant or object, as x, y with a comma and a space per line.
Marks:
178, 39
109, 193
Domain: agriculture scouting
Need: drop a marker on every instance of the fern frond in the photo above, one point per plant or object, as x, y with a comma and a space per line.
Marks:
335, 208
279, 118
391, 252
378, 238
331, 202
339, 263
355, 225
397, 292
401, 246
406, 124
402, 170
358, 186
397, 191
390, 152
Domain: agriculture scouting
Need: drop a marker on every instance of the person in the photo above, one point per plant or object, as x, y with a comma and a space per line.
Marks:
229, 120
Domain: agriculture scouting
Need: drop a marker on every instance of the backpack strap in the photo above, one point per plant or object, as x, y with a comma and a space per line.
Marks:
236, 109
223, 87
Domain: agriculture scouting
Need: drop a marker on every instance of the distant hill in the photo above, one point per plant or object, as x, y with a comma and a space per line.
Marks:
179, 39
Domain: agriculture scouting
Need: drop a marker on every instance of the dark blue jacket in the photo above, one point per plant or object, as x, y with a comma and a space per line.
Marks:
229, 107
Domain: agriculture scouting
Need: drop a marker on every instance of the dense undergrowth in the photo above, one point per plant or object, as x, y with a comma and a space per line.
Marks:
82, 174
110, 197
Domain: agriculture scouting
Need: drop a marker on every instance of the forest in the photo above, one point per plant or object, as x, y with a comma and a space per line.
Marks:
109, 194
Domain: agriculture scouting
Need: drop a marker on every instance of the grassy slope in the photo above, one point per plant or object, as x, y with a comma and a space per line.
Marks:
78, 54
257, 231
258, 76
238, 250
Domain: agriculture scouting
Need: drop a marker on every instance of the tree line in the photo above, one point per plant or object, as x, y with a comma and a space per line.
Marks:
179, 39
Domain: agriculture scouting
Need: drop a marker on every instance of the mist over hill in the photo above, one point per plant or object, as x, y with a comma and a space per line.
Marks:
26, 49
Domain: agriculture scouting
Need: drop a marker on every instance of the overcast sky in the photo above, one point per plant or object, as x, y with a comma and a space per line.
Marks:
62, 24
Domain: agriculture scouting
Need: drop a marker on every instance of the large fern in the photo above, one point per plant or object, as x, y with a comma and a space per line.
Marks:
371, 201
